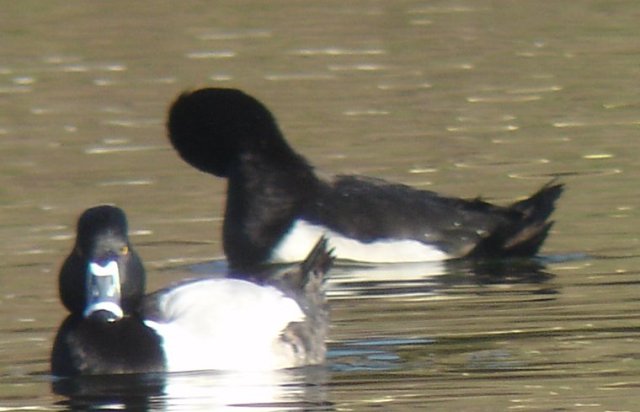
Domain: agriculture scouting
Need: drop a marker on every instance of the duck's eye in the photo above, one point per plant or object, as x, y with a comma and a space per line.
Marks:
124, 250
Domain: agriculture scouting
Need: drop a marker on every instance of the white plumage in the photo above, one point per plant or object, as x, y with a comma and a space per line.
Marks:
225, 324
303, 235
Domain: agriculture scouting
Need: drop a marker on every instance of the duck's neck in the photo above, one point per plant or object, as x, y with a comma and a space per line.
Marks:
263, 198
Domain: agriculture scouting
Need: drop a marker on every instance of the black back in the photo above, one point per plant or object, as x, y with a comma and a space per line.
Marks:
373, 209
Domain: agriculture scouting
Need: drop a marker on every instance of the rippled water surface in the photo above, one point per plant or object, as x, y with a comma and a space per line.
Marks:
463, 97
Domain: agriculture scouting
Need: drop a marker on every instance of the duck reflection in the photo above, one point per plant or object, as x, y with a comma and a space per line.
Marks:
353, 279
287, 389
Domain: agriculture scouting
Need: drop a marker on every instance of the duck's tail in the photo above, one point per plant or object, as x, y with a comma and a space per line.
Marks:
319, 260
308, 277
307, 284
527, 229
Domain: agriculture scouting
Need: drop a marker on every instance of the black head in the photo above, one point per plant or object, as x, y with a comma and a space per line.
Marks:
103, 272
211, 128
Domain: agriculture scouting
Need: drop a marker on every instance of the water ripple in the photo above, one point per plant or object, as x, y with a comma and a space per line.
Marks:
299, 76
337, 51
235, 35
212, 54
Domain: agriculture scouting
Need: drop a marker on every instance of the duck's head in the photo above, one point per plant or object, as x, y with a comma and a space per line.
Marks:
213, 128
103, 278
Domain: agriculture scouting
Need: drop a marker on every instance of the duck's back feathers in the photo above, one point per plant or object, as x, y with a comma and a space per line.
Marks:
372, 210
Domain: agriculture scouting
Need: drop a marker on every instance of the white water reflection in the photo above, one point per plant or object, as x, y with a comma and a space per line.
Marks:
292, 390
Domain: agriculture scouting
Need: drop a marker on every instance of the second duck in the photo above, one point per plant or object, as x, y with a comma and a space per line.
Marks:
277, 207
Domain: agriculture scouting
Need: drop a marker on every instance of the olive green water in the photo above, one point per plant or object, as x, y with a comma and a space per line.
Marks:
463, 97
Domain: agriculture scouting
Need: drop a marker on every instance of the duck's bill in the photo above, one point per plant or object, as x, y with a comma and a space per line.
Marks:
103, 291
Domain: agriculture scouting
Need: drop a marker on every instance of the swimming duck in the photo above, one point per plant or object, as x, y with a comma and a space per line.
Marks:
259, 321
277, 206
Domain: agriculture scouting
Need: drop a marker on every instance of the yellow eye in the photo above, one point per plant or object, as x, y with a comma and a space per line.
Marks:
124, 250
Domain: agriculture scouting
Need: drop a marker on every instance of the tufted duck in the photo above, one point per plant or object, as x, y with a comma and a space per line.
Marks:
277, 206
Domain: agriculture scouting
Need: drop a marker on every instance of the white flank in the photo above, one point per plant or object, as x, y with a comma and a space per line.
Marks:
225, 324
303, 236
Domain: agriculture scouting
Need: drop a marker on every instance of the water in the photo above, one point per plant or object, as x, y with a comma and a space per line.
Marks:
462, 97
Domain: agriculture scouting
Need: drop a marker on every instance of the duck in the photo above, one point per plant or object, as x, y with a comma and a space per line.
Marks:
265, 320
276, 205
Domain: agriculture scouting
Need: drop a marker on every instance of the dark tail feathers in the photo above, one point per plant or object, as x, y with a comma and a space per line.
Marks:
308, 276
527, 228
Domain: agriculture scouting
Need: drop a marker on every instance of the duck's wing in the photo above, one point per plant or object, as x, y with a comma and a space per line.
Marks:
372, 209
